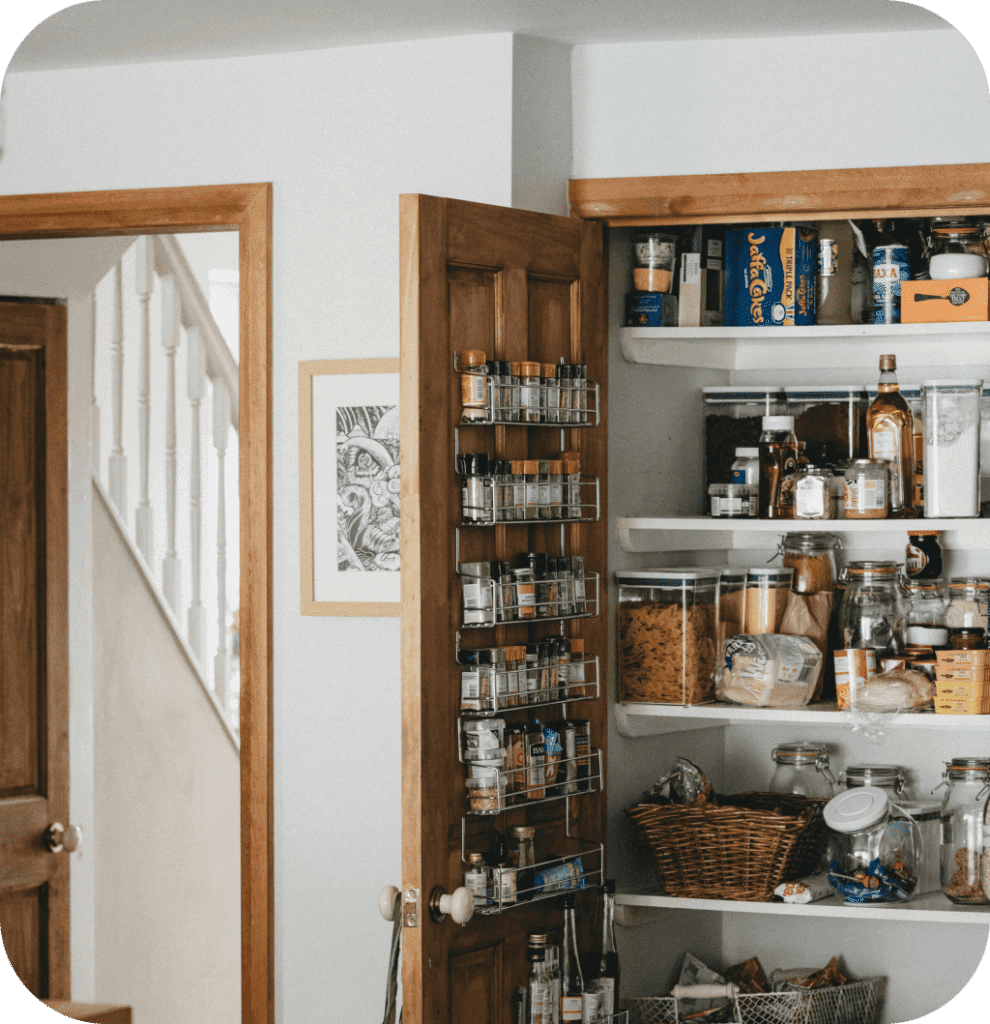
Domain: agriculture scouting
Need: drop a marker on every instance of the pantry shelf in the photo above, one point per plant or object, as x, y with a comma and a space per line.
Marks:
799, 348
634, 720
707, 533
932, 908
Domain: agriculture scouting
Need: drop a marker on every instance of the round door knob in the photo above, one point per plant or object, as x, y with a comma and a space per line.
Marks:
61, 838
386, 902
459, 904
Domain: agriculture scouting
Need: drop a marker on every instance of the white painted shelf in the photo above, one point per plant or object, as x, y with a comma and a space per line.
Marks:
795, 348
708, 533
658, 719
932, 908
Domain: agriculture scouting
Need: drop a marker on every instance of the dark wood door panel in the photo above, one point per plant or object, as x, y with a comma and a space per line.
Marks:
24, 929
476, 985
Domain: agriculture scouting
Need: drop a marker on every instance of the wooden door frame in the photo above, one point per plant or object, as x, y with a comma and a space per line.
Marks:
248, 208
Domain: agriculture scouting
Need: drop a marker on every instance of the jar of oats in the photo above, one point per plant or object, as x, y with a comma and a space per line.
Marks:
667, 635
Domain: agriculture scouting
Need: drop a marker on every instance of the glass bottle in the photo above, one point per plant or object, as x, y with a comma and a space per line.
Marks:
803, 769
553, 967
477, 496
872, 613
571, 979
812, 557
607, 982
889, 430
963, 811
778, 464
529, 393
522, 845
538, 988
476, 879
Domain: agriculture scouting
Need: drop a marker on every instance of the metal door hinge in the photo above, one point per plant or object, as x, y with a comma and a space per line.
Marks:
410, 908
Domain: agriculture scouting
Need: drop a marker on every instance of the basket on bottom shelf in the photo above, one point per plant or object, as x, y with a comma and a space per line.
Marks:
858, 1002
737, 847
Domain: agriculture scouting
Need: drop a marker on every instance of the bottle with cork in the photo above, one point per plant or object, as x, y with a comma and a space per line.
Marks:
889, 429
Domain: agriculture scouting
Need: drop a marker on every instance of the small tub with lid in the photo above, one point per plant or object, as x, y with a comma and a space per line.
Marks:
874, 847
831, 419
803, 769
667, 635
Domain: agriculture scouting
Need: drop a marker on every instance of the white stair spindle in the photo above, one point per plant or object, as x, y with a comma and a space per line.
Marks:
143, 286
196, 364
221, 425
94, 408
118, 460
171, 314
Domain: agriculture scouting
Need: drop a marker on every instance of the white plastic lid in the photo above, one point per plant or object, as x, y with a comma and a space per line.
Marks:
824, 390
856, 809
667, 577
959, 382
778, 422
747, 453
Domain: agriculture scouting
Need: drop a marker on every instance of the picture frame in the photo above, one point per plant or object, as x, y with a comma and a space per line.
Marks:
349, 487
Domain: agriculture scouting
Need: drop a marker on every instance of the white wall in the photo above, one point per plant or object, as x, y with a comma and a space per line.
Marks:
166, 811
340, 133
717, 106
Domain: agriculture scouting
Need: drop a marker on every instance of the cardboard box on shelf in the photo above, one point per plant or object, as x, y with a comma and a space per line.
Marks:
771, 276
962, 697
651, 309
964, 300
700, 285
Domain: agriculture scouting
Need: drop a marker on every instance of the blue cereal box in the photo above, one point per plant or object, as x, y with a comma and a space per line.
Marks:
651, 309
770, 276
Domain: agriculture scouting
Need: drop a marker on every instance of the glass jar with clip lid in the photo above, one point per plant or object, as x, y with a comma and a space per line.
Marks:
812, 557
962, 814
872, 614
803, 769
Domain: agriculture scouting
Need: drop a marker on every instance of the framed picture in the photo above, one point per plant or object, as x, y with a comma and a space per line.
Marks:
349, 486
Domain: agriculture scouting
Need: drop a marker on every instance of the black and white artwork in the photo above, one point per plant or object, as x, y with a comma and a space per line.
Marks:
368, 488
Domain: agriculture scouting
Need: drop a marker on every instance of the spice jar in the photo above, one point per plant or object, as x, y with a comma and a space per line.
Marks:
530, 393
952, 447
874, 847
476, 879
812, 557
474, 386
778, 465
523, 854
477, 496
765, 599
830, 419
802, 768
923, 560
963, 811
872, 613
576, 670
481, 737
968, 601
926, 609
477, 593
525, 591
813, 493
866, 489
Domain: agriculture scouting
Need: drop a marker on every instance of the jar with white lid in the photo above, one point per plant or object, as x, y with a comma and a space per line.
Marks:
952, 447
874, 847
962, 814
957, 249
803, 769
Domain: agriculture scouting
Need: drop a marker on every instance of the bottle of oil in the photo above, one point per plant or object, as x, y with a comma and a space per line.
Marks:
889, 430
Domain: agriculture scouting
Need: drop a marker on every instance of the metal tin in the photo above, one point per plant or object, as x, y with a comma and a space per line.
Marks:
891, 266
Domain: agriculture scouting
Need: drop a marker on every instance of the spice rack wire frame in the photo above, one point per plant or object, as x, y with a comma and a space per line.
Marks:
590, 599
585, 483
594, 776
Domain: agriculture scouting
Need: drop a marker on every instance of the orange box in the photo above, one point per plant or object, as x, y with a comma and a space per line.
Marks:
966, 673
962, 697
979, 657
945, 302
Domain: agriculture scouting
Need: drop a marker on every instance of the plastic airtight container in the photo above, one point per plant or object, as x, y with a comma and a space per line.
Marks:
667, 635
831, 419
952, 447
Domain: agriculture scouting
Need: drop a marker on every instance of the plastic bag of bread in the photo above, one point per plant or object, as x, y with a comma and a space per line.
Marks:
897, 690
769, 670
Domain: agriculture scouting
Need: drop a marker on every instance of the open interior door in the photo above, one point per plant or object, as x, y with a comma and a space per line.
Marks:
520, 287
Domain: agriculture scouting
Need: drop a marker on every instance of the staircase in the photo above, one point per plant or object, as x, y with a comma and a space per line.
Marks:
164, 410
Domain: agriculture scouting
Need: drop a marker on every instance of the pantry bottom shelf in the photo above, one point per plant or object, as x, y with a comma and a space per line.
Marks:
932, 908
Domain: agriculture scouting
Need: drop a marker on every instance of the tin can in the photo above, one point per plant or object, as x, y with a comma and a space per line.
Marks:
852, 668
891, 266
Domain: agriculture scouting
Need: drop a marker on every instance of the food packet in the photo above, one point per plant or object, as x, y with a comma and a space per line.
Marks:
804, 890
749, 976
828, 976
808, 615
551, 740
688, 783
770, 670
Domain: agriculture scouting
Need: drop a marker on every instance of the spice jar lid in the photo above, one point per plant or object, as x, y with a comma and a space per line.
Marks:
531, 467
856, 809
476, 858
564, 371
577, 645
556, 466
528, 369
778, 422
515, 368
472, 357
747, 453
523, 832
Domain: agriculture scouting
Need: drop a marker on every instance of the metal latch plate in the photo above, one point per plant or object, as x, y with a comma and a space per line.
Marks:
410, 908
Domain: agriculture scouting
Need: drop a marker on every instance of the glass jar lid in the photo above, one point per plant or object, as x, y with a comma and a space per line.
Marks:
856, 809
888, 776
807, 542
973, 769
872, 570
801, 754
968, 583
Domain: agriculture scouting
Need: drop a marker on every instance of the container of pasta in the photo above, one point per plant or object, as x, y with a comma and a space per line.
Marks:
667, 635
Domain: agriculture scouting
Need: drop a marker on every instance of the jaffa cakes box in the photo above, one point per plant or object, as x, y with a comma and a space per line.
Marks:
770, 276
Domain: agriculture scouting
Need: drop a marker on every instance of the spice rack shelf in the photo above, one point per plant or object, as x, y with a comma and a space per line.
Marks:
931, 908
588, 688
635, 720
520, 798
708, 533
802, 348
586, 509
511, 610
552, 878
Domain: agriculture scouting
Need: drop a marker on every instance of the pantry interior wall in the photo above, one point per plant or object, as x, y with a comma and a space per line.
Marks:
341, 133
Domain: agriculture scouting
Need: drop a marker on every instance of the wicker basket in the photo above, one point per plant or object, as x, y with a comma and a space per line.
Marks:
740, 848
858, 1002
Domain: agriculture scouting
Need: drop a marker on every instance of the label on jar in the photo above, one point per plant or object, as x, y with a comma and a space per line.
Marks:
539, 1003
473, 389
527, 595
589, 1008
470, 687
530, 397
513, 684
809, 499
865, 495
571, 1008
532, 494
916, 560
475, 595
986, 836
606, 996
575, 672
518, 495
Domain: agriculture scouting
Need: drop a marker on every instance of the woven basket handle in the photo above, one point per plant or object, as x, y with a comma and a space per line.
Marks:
680, 992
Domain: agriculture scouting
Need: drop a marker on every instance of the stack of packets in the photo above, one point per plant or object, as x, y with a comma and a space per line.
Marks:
962, 682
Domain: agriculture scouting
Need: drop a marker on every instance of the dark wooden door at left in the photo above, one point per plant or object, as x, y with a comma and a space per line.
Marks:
34, 735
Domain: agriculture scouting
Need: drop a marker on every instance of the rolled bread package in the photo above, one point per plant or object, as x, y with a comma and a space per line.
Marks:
770, 670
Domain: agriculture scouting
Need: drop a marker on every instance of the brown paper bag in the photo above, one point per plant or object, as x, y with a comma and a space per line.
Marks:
808, 615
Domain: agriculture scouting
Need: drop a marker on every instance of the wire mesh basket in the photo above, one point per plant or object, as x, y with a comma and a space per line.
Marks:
858, 1002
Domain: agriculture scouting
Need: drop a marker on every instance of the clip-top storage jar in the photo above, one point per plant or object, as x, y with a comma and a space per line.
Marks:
963, 809
812, 557
957, 248
926, 613
968, 603
667, 634
802, 768
874, 847
872, 614
891, 777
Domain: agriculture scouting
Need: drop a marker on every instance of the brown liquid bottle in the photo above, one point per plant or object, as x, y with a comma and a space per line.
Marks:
778, 464
889, 429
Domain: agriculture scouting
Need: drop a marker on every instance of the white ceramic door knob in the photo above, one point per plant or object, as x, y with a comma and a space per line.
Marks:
459, 905
386, 902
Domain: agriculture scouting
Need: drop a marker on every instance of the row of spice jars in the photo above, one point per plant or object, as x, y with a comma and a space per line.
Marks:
542, 672
521, 392
510, 872
502, 490
533, 586
532, 762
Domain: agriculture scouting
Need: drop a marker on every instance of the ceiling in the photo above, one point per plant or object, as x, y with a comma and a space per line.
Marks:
135, 31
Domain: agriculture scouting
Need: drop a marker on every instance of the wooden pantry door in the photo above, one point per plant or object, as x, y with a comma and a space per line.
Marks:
518, 285
34, 734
